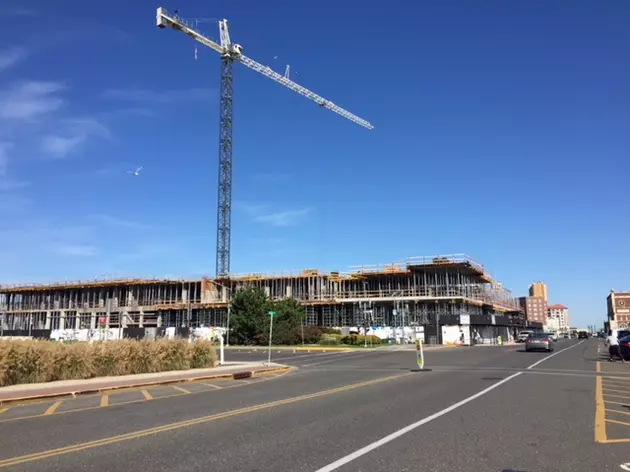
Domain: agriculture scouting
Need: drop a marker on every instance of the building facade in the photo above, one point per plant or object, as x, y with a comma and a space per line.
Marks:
535, 309
422, 291
618, 304
561, 314
539, 289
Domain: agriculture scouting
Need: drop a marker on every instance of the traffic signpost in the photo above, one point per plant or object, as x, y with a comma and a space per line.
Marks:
420, 357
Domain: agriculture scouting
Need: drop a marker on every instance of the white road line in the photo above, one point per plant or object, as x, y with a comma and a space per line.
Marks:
396, 434
554, 354
336, 358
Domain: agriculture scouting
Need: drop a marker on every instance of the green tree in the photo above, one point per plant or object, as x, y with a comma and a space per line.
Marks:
249, 319
287, 323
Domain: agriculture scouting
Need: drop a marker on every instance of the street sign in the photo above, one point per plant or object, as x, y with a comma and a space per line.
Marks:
272, 313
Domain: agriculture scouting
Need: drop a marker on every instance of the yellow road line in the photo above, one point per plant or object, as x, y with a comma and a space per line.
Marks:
181, 389
3, 410
147, 395
52, 408
183, 424
104, 401
77, 410
618, 422
617, 441
616, 396
598, 366
600, 413
618, 411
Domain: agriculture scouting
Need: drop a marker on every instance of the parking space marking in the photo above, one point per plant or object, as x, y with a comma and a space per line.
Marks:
624, 423
609, 409
211, 385
616, 396
52, 408
113, 398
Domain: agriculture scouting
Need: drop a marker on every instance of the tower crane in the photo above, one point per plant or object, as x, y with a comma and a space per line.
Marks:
231, 52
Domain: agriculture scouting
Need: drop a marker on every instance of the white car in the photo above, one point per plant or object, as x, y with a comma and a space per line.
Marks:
553, 336
522, 336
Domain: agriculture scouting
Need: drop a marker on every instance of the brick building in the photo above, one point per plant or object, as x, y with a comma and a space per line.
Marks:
535, 309
618, 310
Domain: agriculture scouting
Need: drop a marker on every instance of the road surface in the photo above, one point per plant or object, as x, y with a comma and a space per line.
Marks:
479, 409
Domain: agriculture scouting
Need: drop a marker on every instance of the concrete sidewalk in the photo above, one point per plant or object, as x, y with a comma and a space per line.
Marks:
236, 370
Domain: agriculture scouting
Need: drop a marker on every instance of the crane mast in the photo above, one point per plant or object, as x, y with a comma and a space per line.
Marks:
231, 53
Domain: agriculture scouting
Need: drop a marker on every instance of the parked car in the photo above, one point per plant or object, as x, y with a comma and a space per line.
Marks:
539, 342
522, 336
624, 343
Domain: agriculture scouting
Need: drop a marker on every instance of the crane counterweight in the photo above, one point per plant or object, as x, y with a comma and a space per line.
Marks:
231, 53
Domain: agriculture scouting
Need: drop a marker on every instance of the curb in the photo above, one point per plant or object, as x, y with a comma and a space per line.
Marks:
245, 374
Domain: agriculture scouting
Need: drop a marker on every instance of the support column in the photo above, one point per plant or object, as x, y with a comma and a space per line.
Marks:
62, 319
48, 319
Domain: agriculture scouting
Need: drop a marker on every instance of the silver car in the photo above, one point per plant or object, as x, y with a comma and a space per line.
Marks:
539, 342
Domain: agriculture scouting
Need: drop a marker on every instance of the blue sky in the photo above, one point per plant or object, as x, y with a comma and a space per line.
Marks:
501, 132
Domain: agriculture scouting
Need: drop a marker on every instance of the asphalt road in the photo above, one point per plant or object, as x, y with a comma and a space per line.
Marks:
479, 409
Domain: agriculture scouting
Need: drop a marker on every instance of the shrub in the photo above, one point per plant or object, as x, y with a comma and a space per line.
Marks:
357, 339
330, 339
40, 361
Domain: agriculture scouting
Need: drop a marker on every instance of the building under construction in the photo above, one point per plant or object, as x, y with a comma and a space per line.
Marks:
421, 291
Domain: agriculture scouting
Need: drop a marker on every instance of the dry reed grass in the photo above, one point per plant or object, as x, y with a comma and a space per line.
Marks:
43, 361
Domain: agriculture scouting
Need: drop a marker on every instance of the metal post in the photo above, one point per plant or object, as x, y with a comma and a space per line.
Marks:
221, 351
227, 332
302, 319
271, 313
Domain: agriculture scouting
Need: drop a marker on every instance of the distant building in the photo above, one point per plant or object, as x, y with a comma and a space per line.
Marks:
561, 314
552, 326
539, 289
535, 309
618, 310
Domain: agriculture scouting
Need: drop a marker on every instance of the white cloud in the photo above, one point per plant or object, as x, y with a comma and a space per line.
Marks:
76, 132
8, 185
13, 203
29, 100
109, 220
154, 96
261, 213
16, 11
283, 218
10, 57
59, 146
5, 147
75, 250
